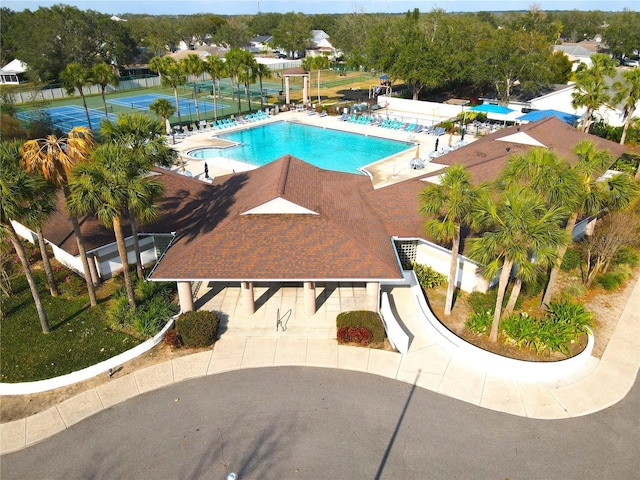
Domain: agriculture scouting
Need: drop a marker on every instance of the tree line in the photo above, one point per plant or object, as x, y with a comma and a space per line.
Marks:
497, 51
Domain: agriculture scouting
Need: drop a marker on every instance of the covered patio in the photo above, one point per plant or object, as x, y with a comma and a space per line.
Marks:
280, 308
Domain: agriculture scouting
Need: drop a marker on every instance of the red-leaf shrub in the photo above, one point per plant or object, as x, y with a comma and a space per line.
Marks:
172, 338
359, 335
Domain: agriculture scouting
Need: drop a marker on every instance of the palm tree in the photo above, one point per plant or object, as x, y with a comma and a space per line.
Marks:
42, 207
543, 171
105, 186
172, 76
163, 108
18, 189
193, 65
248, 75
591, 198
628, 92
144, 137
262, 72
591, 89
103, 75
450, 204
55, 158
234, 62
521, 225
76, 77
216, 69
157, 64
316, 63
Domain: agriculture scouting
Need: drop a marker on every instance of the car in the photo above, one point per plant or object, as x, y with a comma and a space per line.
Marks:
281, 55
631, 62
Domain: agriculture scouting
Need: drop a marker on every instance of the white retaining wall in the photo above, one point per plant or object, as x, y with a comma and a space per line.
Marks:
490, 362
439, 258
396, 334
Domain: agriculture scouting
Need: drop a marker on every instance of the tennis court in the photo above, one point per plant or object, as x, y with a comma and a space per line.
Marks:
187, 105
68, 117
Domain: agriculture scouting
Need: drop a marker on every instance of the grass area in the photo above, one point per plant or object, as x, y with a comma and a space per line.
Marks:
79, 337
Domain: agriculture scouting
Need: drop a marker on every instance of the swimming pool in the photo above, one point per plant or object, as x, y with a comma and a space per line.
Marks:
323, 147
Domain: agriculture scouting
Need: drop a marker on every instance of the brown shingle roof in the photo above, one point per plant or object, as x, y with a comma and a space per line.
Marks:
346, 239
484, 159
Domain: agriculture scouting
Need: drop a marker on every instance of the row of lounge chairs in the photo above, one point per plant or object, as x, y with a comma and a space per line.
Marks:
391, 124
220, 124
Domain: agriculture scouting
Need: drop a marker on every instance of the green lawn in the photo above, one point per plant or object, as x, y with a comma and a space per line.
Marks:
80, 336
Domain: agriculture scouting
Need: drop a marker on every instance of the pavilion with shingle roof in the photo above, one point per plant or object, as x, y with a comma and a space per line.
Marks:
286, 222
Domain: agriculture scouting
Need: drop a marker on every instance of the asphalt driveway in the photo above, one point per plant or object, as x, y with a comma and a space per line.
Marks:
313, 423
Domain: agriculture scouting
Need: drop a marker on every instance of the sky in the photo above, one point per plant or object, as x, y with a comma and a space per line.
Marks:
251, 7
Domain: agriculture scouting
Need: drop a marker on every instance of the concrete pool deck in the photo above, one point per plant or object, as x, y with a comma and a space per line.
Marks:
385, 172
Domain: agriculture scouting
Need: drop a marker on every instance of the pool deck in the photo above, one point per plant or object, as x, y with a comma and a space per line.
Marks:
385, 172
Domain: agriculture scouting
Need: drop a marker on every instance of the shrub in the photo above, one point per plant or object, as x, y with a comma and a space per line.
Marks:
363, 318
119, 314
563, 325
427, 276
479, 323
611, 280
627, 256
172, 338
198, 329
482, 302
521, 329
150, 317
145, 290
574, 290
570, 260
359, 335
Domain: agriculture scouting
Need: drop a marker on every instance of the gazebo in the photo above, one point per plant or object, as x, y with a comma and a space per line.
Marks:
296, 72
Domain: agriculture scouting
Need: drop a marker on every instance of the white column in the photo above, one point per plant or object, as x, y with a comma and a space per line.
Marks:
309, 298
248, 303
186, 296
373, 296
305, 89
287, 92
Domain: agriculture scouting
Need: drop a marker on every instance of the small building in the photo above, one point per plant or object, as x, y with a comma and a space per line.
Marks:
13, 73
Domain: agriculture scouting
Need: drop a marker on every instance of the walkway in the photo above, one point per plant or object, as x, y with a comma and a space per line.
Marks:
605, 382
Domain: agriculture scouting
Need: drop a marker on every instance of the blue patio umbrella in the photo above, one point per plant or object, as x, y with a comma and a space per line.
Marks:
540, 114
491, 108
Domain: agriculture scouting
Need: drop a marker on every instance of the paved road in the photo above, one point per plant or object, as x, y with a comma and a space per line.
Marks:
312, 423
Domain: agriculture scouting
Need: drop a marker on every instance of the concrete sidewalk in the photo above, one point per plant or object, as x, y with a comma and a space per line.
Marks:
601, 384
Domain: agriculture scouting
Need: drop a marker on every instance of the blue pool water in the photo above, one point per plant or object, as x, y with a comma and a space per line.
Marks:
323, 147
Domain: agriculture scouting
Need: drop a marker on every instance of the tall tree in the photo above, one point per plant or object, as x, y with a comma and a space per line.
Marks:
622, 34
247, 74
216, 69
18, 189
262, 71
171, 75
234, 64
103, 75
144, 137
509, 58
520, 225
76, 77
317, 63
591, 89
163, 108
55, 158
193, 65
627, 92
293, 32
450, 204
591, 198
106, 186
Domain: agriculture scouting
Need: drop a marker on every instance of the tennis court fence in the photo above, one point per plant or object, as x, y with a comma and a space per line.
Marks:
60, 93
